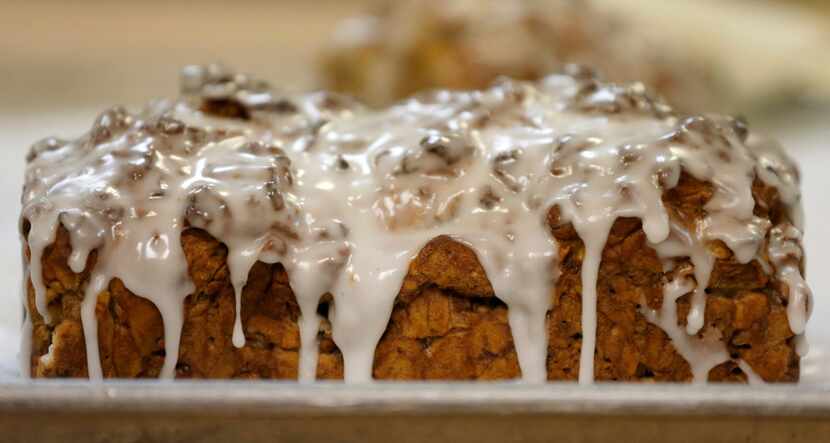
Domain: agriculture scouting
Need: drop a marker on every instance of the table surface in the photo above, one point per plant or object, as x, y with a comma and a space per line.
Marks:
479, 412
63, 62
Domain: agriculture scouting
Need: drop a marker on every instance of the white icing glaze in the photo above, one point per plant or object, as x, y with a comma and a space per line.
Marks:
44, 236
784, 250
744, 238
776, 169
690, 243
751, 376
345, 198
802, 346
594, 243
702, 353
97, 283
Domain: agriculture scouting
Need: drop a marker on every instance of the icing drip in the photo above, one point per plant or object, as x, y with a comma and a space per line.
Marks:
779, 171
751, 376
524, 283
97, 283
684, 243
743, 238
594, 243
37, 243
308, 285
702, 353
801, 345
785, 253
344, 198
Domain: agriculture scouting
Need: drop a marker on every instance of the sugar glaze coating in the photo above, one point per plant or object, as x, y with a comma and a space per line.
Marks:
345, 197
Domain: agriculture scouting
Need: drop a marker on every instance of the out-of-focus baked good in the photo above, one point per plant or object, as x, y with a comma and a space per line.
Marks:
405, 47
527, 230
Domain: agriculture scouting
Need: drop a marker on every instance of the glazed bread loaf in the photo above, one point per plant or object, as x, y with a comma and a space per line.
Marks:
565, 229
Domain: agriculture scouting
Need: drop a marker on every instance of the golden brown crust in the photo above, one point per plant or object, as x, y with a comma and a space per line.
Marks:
627, 346
446, 322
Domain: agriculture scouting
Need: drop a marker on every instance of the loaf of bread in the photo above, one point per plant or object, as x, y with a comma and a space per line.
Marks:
565, 229
403, 47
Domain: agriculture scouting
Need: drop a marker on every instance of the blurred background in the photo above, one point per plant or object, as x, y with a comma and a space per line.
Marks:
62, 62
